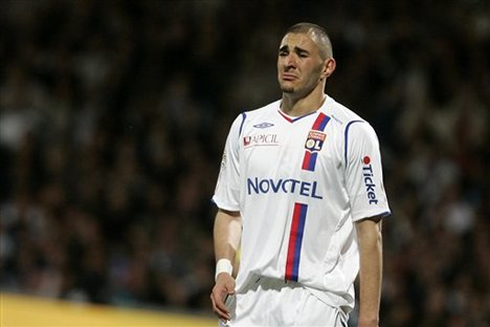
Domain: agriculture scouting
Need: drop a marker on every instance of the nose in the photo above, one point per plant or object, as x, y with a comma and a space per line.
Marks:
290, 61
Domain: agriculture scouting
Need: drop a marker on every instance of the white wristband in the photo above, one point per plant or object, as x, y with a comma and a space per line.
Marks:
223, 265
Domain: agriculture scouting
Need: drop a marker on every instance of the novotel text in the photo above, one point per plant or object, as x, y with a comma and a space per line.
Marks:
289, 185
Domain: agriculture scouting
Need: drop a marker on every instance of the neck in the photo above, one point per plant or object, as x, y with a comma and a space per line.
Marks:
299, 106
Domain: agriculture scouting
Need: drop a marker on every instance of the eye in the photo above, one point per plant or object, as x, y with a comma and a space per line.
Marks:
283, 53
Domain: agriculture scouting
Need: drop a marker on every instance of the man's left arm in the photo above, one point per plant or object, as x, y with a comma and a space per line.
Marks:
371, 270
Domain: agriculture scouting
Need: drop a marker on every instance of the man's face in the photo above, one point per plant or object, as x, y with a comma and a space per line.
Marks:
299, 65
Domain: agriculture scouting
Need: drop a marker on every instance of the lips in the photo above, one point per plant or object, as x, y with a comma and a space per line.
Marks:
289, 76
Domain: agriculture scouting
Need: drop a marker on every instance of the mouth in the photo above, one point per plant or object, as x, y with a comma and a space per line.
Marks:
288, 77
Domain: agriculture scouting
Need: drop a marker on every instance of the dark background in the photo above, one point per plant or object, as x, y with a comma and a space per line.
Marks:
113, 117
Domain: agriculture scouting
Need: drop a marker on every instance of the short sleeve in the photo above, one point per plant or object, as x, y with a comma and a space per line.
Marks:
227, 192
363, 172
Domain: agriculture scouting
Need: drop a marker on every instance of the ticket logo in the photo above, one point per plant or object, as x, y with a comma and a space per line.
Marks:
368, 176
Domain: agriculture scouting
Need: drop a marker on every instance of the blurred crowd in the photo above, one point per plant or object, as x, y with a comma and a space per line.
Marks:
113, 117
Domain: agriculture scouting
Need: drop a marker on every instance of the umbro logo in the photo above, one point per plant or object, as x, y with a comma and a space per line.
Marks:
263, 125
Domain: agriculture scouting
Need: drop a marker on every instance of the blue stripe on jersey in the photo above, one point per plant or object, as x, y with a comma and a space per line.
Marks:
322, 123
311, 163
346, 137
244, 116
295, 241
299, 241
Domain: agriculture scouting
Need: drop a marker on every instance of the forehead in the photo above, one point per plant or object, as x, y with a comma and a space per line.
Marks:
299, 40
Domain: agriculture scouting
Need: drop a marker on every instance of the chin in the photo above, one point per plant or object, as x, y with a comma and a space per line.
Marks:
287, 89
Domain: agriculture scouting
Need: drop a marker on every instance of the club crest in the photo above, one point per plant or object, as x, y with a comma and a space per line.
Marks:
315, 141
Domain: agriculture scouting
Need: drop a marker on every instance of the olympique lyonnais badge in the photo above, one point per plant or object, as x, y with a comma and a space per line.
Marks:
315, 140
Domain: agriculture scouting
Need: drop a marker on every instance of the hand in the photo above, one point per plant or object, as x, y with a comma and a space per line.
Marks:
225, 286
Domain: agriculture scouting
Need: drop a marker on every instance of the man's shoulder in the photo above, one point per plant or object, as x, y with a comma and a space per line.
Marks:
342, 114
264, 110
262, 115
353, 126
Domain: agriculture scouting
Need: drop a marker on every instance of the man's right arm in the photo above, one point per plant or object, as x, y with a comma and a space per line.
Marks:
227, 236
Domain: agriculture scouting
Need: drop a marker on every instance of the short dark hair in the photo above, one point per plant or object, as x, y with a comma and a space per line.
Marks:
321, 37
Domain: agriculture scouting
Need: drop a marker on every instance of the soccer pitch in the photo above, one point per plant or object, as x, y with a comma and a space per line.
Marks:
25, 311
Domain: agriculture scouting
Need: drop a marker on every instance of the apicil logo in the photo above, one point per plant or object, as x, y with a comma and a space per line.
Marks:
260, 140
368, 175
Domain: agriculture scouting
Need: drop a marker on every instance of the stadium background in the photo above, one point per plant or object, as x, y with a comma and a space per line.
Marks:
114, 114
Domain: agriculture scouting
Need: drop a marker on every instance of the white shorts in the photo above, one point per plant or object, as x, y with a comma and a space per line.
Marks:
273, 302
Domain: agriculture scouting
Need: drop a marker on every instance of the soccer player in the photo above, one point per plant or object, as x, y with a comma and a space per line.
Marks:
300, 192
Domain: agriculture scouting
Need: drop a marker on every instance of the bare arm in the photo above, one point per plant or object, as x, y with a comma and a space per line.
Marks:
227, 236
371, 270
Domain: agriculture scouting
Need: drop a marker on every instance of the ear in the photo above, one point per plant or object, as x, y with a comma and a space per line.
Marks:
329, 67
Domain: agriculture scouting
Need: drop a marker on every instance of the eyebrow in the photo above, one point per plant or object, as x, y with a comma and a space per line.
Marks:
296, 49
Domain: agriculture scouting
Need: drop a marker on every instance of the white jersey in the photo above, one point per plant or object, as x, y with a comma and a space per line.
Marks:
300, 183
